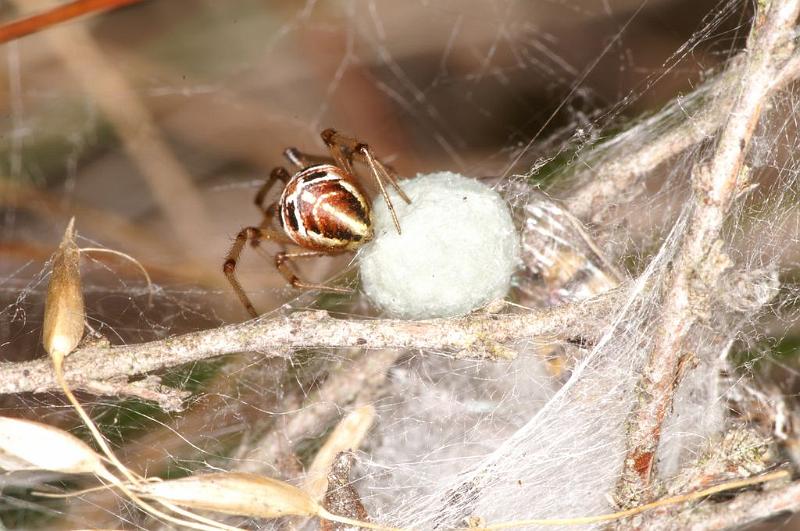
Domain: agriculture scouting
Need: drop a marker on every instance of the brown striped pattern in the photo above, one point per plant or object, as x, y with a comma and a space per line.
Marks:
323, 209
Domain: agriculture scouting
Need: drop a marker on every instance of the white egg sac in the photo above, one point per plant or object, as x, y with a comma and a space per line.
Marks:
457, 251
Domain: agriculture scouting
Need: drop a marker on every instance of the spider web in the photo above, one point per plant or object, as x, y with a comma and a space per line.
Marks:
516, 93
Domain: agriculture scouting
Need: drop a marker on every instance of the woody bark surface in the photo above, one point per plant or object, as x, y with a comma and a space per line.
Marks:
479, 335
700, 260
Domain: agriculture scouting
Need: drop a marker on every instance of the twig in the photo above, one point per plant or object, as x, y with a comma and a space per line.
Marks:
62, 13
149, 389
623, 166
477, 335
700, 261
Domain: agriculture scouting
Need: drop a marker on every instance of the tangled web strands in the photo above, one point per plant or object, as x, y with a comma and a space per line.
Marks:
543, 450
518, 439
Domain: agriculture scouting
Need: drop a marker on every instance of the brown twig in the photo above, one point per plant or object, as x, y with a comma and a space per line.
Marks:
700, 261
42, 21
477, 335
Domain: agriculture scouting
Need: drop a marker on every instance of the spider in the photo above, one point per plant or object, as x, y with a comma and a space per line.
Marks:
322, 209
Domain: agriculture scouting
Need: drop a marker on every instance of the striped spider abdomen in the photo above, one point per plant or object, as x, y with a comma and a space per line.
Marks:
322, 208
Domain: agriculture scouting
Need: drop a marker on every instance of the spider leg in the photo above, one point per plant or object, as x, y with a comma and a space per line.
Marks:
282, 260
278, 174
254, 235
375, 172
346, 148
303, 160
391, 176
349, 147
341, 152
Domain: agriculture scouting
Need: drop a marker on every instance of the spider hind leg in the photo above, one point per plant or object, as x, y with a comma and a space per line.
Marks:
282, 260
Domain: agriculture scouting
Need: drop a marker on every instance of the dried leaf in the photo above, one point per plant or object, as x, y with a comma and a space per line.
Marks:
28, 445
63, 311
234, 493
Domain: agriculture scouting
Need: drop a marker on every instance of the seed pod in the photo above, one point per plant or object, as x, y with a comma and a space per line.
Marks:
63, 310
28, 445
234, 493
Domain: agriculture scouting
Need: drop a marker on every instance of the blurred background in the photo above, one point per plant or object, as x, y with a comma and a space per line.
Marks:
154, 125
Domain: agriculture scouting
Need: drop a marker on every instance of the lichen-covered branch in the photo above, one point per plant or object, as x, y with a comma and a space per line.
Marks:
700, 260
478, 335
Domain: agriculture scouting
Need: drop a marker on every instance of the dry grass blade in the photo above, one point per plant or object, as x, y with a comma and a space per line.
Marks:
63, 330
243, 494
234, 493
28, 445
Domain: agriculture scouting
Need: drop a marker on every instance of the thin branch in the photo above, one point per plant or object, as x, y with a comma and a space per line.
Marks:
477, 335
149, 389
42, 21
623, 167
700, 261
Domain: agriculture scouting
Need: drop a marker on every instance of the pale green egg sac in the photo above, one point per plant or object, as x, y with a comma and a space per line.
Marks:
457, 251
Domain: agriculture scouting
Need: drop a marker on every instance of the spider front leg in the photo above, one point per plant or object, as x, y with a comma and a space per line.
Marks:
304, 160
344, 148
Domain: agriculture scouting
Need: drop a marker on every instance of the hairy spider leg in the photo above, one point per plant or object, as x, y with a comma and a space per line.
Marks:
304, 160
278, 174
342, 159
282, 260
355, 149
255, 235
344, 148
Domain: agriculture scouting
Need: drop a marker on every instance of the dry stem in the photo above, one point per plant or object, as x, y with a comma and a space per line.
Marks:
746, 508
62, 13
700, 261
478, 335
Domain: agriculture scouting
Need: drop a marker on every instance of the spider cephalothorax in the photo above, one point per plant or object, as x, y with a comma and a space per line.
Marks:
322, 209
